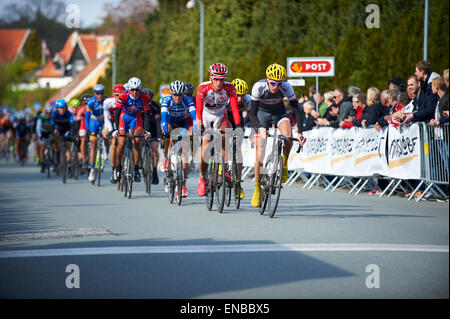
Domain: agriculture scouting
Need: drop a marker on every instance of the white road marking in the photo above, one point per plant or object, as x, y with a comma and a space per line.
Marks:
61, 233
219, 249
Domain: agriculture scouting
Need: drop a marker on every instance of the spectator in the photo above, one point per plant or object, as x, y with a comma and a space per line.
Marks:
356, 113
365, 111
384, 98
446, 77
413, 87
393, 105
438, 86
396, 83
329, 100
344, 104
440, 117
312, 92
374, 107
320, 100
426, 100
309, 120
353, 91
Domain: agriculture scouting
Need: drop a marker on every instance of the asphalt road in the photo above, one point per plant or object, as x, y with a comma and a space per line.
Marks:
318, 245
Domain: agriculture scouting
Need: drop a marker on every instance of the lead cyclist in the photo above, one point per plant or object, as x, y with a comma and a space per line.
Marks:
267, 107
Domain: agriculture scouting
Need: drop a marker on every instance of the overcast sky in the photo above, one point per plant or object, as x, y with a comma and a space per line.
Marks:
91, 11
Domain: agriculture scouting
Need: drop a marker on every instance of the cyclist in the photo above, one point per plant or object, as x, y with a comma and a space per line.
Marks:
22, 134
177, 111
131, 104
80, 127
6, 132
112, 113
266, 108
211, 101
43, 131
152, 124
189, 90
243, 100
62, 121
95, 122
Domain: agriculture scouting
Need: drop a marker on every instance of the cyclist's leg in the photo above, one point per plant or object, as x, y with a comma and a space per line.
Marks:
185, 152
284, 125
121, 140
93, 129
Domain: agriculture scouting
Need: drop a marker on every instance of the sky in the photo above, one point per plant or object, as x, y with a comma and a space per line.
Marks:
91, 11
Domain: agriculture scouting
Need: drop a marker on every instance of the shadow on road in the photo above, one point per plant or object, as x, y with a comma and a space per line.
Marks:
163, 275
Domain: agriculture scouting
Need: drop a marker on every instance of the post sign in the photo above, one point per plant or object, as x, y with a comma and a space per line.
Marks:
310, 66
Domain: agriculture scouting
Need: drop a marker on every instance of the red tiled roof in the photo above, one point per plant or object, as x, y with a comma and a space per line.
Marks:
49, 71
78, 78
90, 44
11, 42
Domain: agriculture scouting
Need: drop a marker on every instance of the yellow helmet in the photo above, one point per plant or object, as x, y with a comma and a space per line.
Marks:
276, 72
240, 85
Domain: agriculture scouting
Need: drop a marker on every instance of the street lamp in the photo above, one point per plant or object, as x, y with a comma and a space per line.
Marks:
190, 5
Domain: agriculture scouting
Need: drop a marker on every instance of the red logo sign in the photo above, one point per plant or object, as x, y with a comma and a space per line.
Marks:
310, 66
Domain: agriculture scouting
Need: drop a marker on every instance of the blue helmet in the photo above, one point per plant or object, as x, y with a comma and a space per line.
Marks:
61, 103
99, 88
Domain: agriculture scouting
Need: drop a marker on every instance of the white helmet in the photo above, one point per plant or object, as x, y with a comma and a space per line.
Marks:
177, 87
134, 83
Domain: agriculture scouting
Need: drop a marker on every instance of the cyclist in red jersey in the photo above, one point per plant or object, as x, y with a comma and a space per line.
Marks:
211, 101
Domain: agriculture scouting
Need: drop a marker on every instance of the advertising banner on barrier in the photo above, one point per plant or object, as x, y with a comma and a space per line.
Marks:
316, 153
370, 149
392, 152
342, 151
403, 156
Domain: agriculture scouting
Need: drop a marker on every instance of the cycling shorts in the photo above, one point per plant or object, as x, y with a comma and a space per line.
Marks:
129, 122
214, 120
95, 126
268, 118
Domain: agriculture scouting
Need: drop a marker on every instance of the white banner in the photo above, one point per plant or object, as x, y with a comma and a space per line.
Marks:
404, 152
358, 152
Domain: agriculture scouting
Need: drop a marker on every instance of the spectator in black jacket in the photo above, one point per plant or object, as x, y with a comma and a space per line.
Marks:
427, 99
376, 109
413, 88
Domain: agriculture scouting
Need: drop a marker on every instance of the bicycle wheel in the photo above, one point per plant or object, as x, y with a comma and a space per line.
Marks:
179, 179
264, 194
75, 162
220, 186
210, 184
170, 179
146, 168
63, 161
236, 180
98, 165
229, 187
130, 171
275, 187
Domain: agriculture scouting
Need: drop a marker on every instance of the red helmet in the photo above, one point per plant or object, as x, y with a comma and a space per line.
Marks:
218, 70
118, 88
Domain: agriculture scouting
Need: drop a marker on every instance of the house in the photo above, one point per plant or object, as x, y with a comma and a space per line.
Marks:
82, 60
12, 42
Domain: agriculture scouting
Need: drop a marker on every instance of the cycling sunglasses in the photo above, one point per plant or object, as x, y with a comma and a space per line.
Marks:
275, 83
219, 79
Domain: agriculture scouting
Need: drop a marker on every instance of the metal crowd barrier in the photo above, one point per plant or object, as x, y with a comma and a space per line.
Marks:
434, 170
435, 165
